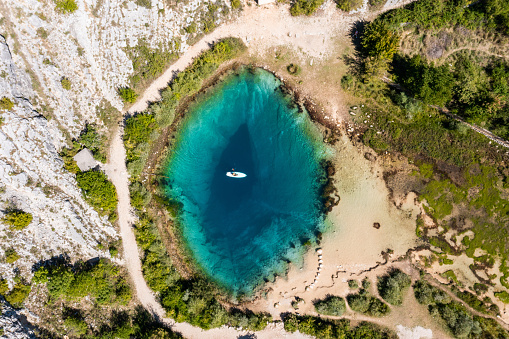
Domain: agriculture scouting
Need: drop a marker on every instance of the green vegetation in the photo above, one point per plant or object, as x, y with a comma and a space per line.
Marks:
293, 69
393, 285
331, 305
42, 33
485, 306
348, 5
66, 83
127, 94
144, 3
11, 255
102, 281
328, 329
66, 6
16, 297
503, 296
6, 104
148, 63
460, 170
454, 315
363, 302
305, 7
353, 284
17, 219
92, 297
235, 4
98, 192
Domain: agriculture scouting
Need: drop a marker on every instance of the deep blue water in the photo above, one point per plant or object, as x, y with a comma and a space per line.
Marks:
242, 231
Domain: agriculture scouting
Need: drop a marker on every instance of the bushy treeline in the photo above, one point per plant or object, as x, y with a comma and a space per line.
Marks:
331, 305
98, 192
102, 281
393, 285
455, 316
436, 14
329, 329
17, 295
479, 94
71, 288
194, 300
140, 130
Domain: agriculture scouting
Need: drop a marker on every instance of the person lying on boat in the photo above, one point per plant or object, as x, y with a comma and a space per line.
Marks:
233, 172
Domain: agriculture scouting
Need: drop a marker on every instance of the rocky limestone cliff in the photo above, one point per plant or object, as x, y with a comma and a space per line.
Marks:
39, 46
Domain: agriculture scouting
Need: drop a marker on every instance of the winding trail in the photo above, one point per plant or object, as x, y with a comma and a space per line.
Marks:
261, 28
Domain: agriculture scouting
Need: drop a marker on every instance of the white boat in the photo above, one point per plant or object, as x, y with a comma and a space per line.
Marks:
236, 175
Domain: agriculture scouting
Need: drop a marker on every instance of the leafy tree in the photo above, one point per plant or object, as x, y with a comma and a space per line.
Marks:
17, 219
127, 94
6, 104
427, 294
379, 41
331, 305
66, 6
392, 286
365, 303
98, 191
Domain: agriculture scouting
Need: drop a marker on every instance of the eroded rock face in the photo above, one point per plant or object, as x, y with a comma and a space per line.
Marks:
12, 325
38, 47
33, 179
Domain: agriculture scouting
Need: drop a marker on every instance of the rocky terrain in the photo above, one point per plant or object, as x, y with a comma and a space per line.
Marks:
90, 47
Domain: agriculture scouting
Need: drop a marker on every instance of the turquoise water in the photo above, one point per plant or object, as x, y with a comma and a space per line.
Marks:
244, 231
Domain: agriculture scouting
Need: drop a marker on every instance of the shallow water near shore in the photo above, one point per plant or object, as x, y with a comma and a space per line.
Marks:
242, 231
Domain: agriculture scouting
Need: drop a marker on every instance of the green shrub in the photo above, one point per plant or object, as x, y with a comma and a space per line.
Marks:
428, 294
235, 4
66, 83
144, 3
103, 281
365, 303
127, 94
11, 255
17, 219
503, 296
353, 284
6, 104
348, 5
140, 196
75, 326
293, 69
331, 305
98, 191
16, 297
66, 6
305, 7
393, 285
42, 33
4, 287
192, 28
